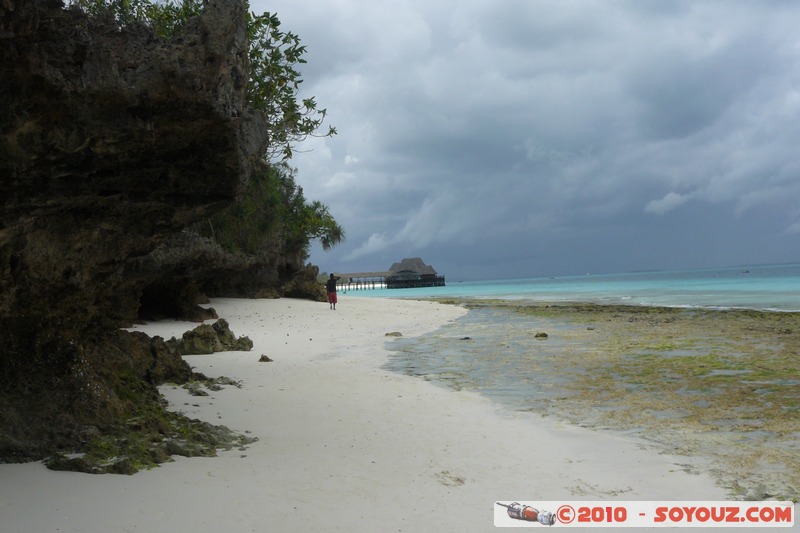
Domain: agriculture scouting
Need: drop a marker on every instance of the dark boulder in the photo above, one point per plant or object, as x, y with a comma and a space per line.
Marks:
210, 338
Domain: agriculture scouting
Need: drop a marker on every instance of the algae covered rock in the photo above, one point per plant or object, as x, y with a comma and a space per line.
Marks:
210, 338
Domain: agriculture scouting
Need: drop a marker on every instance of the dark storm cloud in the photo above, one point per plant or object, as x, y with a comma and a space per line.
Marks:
520, 138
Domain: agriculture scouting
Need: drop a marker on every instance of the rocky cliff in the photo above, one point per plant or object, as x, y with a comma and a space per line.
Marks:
112, 141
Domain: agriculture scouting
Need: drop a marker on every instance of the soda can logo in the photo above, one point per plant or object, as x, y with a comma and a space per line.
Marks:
526, 513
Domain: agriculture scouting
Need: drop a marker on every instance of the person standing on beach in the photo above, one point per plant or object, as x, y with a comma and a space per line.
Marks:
330, 285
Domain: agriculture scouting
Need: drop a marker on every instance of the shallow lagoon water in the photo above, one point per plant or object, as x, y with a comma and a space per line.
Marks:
718, 384
493, 351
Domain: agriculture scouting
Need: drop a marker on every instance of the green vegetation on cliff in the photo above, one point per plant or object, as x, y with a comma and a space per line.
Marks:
273, 215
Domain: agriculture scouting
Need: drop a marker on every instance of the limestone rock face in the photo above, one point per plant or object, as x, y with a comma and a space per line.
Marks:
188, 268
111, 140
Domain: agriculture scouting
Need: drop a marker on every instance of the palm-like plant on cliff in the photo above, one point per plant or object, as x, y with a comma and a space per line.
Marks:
273, 209
273, 217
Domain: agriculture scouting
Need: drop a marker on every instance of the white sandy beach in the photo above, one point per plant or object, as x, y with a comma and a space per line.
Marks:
343, 444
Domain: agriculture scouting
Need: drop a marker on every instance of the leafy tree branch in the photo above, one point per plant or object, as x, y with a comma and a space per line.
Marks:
274, 216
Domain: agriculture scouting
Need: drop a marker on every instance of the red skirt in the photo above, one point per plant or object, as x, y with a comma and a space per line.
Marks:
332, 298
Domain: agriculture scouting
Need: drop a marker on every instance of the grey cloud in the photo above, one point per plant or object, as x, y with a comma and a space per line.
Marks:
554, 136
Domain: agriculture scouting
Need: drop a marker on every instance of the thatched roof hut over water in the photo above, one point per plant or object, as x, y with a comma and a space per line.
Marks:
413, 272
410, 272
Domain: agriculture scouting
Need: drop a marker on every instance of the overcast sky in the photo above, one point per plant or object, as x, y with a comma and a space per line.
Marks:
522, 138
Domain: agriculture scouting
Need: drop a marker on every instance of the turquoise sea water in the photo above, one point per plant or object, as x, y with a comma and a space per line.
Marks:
772, 287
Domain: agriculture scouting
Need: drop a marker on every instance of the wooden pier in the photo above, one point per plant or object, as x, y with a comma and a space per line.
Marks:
360, 281
433, 281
